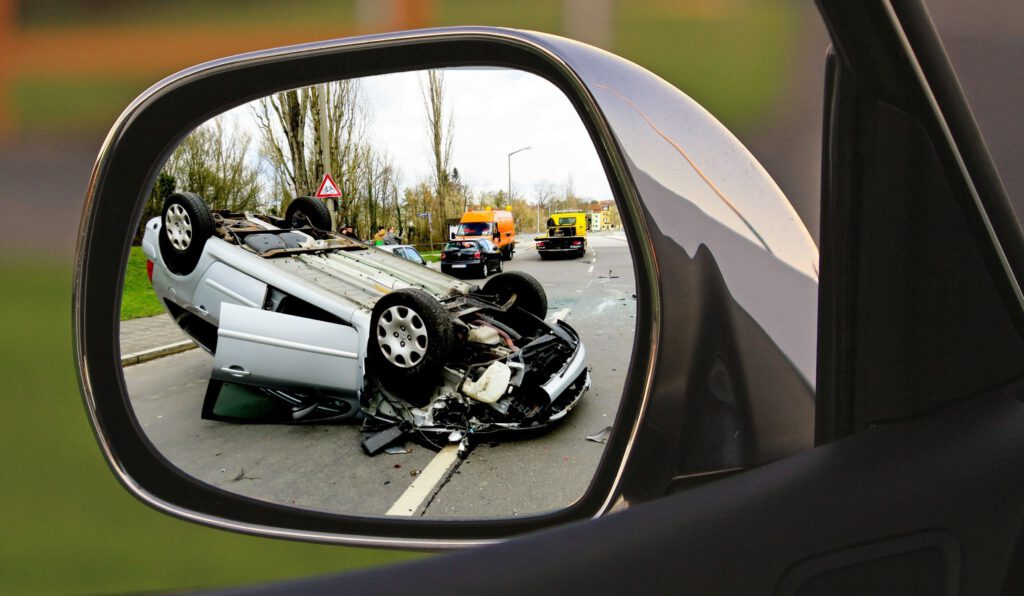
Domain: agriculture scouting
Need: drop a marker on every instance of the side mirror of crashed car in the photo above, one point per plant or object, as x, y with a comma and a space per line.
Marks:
726, 281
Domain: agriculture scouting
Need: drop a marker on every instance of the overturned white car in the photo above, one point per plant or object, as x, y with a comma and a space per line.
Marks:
338, 330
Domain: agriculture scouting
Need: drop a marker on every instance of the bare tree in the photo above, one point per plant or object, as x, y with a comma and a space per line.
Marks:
544, 201
286, 152
289, 124
569, 198
440, 130
212, 162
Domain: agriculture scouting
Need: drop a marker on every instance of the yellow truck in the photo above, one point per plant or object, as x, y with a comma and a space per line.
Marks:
567, 235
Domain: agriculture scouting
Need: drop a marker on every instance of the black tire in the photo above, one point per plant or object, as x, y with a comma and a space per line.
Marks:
529, 294
484, 269
506, 252
501, 266
410, 367
307, 211
186, 223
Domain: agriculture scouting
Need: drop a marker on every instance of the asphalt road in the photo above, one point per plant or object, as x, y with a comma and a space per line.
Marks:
323, 467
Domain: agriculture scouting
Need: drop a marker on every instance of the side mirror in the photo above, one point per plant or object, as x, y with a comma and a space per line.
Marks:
711, 286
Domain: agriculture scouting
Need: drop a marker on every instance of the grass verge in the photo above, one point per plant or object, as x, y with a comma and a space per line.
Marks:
138, 299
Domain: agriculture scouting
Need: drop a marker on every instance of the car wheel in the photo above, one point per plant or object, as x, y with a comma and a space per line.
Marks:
186, 223
501, 266
410, 338
484, 269
307, 211
523, 288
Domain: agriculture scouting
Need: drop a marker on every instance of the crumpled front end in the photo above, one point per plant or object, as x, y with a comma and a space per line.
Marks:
503, 382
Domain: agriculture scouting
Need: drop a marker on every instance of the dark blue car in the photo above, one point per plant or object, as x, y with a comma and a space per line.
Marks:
470, 258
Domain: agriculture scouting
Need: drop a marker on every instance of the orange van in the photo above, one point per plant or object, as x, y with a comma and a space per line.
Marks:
490, 224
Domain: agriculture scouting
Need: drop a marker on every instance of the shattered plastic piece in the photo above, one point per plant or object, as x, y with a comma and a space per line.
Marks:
414, 473
373, 444
397, 450
485, 335
491, 385
455, 436
600, 436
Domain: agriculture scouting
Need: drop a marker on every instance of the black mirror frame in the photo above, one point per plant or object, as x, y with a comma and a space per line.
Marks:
126, 168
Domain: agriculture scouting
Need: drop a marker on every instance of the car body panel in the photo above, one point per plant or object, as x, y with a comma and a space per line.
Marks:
271, 349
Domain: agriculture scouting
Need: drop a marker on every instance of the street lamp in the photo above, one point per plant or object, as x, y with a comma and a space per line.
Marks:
509, 198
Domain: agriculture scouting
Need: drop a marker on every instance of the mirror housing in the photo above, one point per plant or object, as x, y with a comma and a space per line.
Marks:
722, 372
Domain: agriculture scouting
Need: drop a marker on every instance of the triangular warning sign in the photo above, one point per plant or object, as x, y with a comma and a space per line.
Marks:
328, 188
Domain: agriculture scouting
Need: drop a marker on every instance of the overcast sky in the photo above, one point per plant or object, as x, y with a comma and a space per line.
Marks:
496, 111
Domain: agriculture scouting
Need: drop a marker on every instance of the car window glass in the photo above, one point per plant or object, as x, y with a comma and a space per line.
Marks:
474, 229
302, 367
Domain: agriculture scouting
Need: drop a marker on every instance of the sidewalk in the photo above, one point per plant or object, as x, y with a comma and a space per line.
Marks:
151, 337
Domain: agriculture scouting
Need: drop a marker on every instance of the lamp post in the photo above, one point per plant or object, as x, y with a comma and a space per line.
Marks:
509, 198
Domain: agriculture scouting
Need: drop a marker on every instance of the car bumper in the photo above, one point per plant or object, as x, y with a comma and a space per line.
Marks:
572, 370
562, 249
459, 266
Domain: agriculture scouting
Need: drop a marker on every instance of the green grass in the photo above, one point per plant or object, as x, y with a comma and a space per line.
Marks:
68, 526
138, 299
431, 256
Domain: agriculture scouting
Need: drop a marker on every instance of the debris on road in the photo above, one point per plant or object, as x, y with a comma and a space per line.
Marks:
600, 436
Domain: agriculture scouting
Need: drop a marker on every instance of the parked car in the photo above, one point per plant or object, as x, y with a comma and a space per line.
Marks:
335, 327
909, 480
406, 251
471, 258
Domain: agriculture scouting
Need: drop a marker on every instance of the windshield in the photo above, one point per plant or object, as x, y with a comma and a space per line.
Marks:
566, 221
475, 228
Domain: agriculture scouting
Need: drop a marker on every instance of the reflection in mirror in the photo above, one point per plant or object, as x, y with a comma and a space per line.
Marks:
407, 295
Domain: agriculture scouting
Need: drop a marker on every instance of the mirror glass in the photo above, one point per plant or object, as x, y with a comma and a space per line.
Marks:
406, 295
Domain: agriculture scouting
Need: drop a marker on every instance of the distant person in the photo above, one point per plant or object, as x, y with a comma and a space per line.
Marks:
378, 238
349, 232
392, 237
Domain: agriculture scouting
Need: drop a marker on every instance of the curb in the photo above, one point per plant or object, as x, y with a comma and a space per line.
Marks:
154, 353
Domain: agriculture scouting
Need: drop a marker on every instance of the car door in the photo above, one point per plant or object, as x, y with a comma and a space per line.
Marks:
489, 255
269, 349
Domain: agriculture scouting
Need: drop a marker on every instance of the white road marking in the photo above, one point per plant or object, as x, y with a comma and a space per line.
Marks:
426, 483
591, 269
